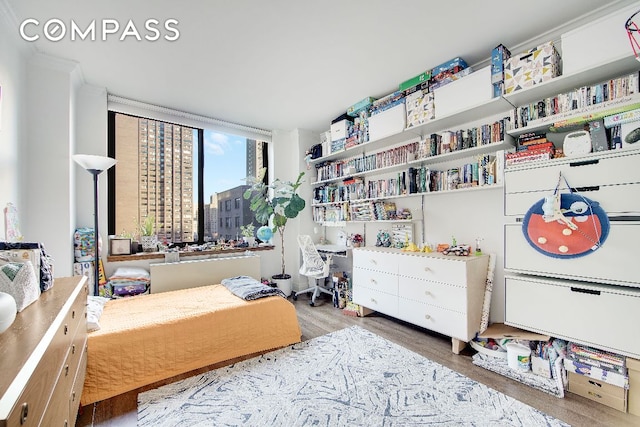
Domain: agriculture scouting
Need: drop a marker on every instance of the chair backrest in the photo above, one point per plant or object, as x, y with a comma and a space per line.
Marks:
312, 263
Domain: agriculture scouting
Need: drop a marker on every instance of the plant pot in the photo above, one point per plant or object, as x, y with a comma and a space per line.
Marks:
149, 243
251, 241
283, 282
7, 311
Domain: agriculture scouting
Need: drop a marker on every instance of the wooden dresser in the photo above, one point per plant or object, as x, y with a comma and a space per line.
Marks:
43, 358
437, 292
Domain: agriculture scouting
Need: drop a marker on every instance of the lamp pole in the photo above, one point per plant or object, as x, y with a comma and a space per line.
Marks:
96, 267
95, 165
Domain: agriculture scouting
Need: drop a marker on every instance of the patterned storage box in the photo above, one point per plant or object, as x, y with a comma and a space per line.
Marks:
534, 66
419, 107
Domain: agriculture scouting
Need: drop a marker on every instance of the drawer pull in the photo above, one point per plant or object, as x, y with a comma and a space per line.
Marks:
374, 281
427, 269
66, 370
584, 163
426, 316
24, 411
66, 329
585, 291
595, 383
427, 293
73, 396
374, 301
587, 188
373, 261
73, 314
73, 349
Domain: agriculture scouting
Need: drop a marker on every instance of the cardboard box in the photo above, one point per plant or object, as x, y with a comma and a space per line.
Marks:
596, 374
461, 94
450, 64
389, 122
414, 81
500, 331
633, 397
420, 108
359, 106
605, 36
499, 56
532, 67
340, 130
598, 391
540, 366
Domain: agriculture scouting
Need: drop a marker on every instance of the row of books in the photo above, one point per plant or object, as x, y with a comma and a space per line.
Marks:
486, 170
586, 96
435, 144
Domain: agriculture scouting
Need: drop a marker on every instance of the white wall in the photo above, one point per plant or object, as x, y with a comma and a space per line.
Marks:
12, 116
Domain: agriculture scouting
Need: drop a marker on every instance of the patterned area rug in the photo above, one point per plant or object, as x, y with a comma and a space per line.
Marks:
350, 377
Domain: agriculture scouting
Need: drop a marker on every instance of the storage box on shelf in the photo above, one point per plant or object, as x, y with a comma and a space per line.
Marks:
598, 391
604, 39
464, 93
531, 67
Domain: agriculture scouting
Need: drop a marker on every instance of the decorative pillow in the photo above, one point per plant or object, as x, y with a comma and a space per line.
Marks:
95, 305
18, 279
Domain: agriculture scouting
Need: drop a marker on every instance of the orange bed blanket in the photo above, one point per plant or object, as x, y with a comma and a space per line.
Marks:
149, 338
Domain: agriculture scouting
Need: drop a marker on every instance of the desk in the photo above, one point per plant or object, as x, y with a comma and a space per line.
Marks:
335, 250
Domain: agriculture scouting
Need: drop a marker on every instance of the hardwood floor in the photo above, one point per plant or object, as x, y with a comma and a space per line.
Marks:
324, 318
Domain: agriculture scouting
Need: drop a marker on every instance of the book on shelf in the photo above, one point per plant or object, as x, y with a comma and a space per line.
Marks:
622, 118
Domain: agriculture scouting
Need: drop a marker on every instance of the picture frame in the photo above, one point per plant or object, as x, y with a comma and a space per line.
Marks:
120, 246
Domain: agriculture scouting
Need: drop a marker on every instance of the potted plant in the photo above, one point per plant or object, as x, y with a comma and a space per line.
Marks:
284, 204
148, 239
247, 233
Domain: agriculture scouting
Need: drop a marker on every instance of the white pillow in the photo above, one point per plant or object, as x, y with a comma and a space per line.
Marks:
130, 273
95, 305
18, 279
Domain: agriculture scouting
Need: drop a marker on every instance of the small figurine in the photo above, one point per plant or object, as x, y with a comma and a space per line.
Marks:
307, 158
478, 249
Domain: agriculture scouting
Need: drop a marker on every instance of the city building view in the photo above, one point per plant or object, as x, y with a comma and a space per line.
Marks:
157, 175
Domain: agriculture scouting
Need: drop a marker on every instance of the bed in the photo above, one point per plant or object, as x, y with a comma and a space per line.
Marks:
149, 338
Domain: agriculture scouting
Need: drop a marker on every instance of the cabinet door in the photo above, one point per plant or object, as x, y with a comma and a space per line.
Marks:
598, 315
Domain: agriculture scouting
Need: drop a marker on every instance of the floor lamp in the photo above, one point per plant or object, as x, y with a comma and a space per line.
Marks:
95, 165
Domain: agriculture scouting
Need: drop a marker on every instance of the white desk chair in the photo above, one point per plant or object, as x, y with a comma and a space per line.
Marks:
315, 268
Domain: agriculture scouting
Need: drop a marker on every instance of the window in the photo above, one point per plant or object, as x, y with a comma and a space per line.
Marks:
168, 170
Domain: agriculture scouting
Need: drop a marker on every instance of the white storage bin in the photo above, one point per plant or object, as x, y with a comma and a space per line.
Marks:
597, 42
388, 122
467, 92
598, 315
340, 130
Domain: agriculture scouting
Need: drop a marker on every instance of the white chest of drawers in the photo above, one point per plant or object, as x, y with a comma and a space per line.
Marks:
434, 291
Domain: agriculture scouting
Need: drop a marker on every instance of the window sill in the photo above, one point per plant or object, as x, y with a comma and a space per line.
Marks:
160, 255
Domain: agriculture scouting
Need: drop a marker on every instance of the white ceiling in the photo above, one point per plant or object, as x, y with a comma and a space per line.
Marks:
286, 64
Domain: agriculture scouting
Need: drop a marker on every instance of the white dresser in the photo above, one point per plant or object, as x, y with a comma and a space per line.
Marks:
593, 299
437, 292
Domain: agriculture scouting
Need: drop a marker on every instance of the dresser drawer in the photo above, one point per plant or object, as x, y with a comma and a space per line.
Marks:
376, 300
607, 169
446, 322
378, 261
376, 280
614, 199
434, 293
598, 391
614, 263
599, 315
452, 271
